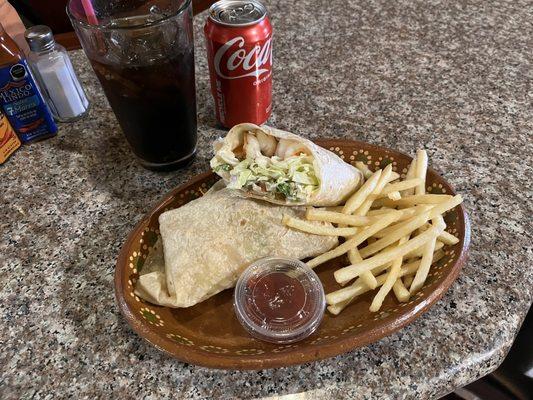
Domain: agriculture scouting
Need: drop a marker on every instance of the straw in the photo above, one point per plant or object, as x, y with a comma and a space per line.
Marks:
89, 12
91, 18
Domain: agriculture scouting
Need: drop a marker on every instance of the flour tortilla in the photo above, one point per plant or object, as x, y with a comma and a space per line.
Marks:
206, 244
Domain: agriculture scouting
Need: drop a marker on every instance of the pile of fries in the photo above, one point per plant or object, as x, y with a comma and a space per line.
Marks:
393, 233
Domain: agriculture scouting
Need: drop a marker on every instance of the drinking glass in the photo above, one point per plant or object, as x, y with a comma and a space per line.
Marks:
142, 53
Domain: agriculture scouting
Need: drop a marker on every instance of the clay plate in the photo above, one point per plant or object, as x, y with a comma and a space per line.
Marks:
209, 334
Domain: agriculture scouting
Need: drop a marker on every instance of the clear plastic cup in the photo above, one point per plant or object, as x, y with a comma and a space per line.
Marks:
279, 300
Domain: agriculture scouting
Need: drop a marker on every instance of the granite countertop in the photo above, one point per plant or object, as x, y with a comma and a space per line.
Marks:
453, 77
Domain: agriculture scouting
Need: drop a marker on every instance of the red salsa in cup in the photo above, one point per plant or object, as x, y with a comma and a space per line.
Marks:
279, 300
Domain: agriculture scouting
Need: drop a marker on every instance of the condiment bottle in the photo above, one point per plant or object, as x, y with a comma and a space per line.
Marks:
20, 97
53, 70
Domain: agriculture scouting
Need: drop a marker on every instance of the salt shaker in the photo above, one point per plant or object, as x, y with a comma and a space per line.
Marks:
53, 70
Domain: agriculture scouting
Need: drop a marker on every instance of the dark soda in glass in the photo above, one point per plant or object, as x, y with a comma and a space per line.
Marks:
145, 64
155, 106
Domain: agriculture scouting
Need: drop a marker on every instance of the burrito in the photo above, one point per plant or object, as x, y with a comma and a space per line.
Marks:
282, 168
206, 244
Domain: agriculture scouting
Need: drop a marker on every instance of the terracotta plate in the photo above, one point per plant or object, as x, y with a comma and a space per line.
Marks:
209, 334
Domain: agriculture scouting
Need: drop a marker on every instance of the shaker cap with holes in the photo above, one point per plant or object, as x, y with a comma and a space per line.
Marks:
39, 38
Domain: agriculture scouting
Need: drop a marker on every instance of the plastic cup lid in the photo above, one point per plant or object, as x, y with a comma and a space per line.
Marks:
279, 300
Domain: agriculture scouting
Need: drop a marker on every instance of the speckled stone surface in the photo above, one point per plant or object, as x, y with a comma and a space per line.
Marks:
453, 77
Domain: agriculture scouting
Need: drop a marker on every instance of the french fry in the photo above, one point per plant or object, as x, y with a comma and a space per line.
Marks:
314, 214
331, 208
448, 238
419, 252
392, 276
410, 175
393, 176
378, 270
347, 294
355, 201
361, 166
368, 278
315, 229
355, 241
383, 179
365, 207
420, 173
400, 291
406, 228
426, 261
381, 211
335, 309
441, 208
353, 255
421, 170
353, 271
394, 196
410, 201
400, 186
407, 213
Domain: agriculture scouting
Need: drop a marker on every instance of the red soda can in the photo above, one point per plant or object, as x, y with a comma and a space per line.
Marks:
239, 50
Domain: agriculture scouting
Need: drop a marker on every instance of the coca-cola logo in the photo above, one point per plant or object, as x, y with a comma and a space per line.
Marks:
232, 56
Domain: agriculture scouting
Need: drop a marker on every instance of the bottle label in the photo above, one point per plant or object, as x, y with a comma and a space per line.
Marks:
23, 104
9, 142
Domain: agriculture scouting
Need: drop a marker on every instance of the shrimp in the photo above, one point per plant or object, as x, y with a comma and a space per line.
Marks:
288, 148
251, 146
267, 143
252, 149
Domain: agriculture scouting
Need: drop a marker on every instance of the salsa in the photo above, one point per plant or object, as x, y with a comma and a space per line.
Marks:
280, 300
278, 297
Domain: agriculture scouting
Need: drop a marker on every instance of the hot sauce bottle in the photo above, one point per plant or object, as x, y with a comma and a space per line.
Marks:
20, 97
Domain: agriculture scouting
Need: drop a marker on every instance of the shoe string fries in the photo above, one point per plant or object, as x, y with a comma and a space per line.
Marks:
339, 299
400, 186
353, 254
393, 232
353, 271
356, 240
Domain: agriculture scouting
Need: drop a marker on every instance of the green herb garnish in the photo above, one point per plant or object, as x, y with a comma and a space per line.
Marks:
223, 167
285, 189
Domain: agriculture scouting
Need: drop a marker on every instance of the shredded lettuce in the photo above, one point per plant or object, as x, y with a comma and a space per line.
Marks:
293, 179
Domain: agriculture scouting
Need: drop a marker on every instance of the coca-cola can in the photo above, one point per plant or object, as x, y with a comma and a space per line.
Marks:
239, 50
